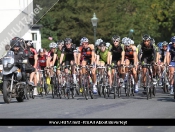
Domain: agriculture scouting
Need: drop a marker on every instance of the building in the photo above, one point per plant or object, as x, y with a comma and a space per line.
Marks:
13, 10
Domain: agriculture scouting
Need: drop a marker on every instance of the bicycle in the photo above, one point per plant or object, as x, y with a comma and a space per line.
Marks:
42, 83
116, 84
105, 81
150, 84
86, 83
129, 85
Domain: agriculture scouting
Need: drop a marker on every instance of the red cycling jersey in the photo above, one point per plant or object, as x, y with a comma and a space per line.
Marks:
42, 60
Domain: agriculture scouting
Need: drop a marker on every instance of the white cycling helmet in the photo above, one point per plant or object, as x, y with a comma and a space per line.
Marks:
107, 44
52, 45
132, 41
127, 41
98, 41
84, 39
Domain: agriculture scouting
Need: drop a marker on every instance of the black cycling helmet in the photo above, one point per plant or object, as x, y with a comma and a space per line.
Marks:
60, 42
68, 40
116, 37
15, 43
146, 37
102, 44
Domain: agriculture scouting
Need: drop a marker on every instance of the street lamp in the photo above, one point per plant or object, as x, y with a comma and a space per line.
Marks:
94, 21
131, 32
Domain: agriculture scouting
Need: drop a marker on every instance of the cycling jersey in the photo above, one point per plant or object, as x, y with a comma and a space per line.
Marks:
148, 53
116, 52
162, 53
31, 52
51, 55
42, 60
172, 53
86, 53
104, 55
129, 53
68, 53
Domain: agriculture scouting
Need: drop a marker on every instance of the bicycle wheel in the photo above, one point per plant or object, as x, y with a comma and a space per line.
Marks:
154, 91
147, 85
105, 91
91, 90
115, 82
86, 90
73, 91
53, 89
128, 86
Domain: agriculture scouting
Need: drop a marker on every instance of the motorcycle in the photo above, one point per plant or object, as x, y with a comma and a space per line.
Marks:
13, 87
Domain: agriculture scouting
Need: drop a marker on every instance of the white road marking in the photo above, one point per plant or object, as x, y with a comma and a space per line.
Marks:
149, 126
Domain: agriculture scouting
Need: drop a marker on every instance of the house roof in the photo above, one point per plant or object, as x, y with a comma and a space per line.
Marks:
36, 26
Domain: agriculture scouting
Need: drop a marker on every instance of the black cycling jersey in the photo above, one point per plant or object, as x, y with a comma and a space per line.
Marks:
172, 53
69, 53
148, 53
116, 53
162, 53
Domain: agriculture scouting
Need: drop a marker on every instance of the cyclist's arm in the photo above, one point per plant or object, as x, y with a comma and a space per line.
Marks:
93, 56
168, 57
109, 58
135, 55
36, 60
123, 57
54, 58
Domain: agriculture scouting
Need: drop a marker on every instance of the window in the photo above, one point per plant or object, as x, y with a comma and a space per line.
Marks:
34, 36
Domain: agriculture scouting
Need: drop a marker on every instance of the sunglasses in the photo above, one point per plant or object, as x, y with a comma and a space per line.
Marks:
68, 43
115, 41
146, 40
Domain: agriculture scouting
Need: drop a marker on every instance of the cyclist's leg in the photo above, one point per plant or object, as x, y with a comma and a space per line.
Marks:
171, 68
93, 76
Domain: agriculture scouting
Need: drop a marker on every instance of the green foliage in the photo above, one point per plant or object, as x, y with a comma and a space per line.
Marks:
72, 18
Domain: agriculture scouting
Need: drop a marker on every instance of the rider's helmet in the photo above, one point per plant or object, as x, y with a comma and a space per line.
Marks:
173, 39
98, 41
84, 39
116, 38
160, 45
68, 40
52, 45
146, 37
60, 43
127, 42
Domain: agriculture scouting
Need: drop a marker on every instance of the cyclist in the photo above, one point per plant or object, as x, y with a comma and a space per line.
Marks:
162, 58
60, 45
42, 61
70, 56
52, 56
87, 55
171, 61
33, 61
116, 55
104, 58
147, 54
129, 56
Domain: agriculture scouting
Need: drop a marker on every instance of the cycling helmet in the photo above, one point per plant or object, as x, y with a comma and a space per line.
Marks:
102, 44
68, 40
173, 39
115, 37
98, 41
132, 41
123, 40
29, 43
52, 45
41, 50
153, 41
107, 44
60, 42
160, 45
84, 39
127, 42
146, 37
164, 43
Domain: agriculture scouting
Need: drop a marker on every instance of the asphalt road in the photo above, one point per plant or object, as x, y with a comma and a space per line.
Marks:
161, 106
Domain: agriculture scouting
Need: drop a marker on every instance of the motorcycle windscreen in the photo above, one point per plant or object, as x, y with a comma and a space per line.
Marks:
8, 60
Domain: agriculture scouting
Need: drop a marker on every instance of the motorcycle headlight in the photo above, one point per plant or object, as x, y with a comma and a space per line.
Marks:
24, 61
9, 65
